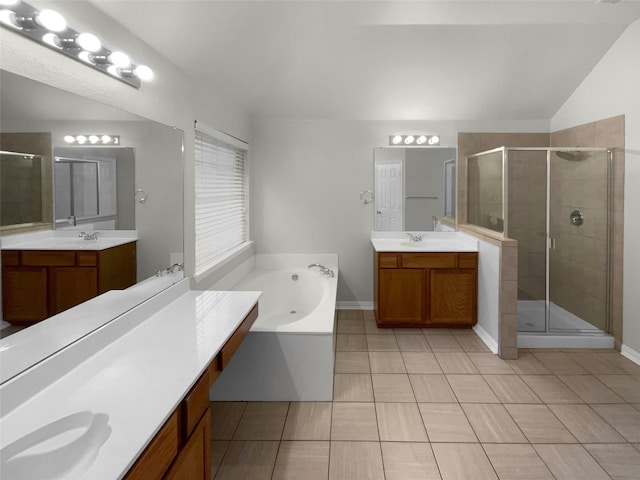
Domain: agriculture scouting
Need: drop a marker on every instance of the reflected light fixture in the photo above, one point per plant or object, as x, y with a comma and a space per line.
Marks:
97, 139
415, 140
49, 28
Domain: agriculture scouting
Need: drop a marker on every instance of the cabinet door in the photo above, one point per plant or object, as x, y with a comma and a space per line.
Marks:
453, 296
401, 296
194, 460
24, 294
70, 286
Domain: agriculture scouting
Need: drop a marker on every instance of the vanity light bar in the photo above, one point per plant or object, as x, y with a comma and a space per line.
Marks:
414, 140
49, 28
92, 139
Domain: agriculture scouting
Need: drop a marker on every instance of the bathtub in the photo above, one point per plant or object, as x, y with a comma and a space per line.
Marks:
288, 355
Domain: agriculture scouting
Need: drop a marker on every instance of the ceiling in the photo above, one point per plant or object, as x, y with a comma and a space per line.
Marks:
383, 60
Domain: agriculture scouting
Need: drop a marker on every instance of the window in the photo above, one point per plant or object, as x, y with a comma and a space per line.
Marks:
221, 192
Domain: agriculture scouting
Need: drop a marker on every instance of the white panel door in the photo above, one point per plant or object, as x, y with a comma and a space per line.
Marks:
389, 196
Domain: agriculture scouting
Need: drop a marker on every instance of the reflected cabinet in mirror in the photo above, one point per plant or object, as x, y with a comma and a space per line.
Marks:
415, 188
71, 223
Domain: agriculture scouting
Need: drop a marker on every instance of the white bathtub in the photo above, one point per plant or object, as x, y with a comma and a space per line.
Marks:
289, 353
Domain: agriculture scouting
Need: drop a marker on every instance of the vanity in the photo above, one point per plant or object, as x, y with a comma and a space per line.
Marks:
46, 273
128, 400
427, 283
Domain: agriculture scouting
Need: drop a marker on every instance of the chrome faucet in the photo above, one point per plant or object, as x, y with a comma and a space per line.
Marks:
415, 237
88, 236
325, 270
175, 266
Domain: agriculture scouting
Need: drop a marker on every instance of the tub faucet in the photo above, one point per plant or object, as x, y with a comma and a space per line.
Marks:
415, 237
325, 270
175, 266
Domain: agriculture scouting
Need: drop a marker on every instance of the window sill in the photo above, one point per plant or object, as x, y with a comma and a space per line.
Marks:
233, 254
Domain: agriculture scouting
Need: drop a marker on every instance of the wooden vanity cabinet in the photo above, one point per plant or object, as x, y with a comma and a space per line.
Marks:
426, 289
37, 284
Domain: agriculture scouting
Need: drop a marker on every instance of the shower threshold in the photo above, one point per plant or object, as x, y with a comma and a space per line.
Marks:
567, 330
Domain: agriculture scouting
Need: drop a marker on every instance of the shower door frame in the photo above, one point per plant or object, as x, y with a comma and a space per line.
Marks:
549, 241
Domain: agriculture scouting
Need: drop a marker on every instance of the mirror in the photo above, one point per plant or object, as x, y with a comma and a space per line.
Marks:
415, 188
89, 187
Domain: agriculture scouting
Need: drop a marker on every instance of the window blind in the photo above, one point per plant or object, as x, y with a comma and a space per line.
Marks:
221, 200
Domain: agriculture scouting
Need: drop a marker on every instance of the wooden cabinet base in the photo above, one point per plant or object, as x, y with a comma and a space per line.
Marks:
426, 290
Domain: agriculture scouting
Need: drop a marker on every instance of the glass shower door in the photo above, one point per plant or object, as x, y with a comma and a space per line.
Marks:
578, 246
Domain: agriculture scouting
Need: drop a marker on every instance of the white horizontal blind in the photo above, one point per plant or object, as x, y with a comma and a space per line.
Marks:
221, 200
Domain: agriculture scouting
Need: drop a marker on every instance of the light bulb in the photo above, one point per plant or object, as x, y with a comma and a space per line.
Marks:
409, 140
89, 42
113, 70
421, 139
8, 3
105, 139
51, 20
434, 139
69, 138
144, 73
86, 57
397, 139
119, 59
93, 139
52, 39
7, 17
81, 139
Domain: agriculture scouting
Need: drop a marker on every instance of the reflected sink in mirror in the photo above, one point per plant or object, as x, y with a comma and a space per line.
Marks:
66, 446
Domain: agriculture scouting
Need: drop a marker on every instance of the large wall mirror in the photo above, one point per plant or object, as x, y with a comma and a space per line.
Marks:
415, 188
48, 184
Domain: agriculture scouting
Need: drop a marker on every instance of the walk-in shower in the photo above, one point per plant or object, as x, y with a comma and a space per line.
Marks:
556, 202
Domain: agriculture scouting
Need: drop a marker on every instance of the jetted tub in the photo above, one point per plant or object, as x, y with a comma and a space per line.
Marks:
288, 354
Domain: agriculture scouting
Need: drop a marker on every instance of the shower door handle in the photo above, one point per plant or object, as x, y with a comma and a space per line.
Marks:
552, 243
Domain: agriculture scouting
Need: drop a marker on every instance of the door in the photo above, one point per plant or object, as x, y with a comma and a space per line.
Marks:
389, 197
579, 245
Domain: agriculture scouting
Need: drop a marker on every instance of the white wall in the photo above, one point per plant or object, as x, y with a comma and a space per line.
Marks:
613, 88
173, 98
307, 176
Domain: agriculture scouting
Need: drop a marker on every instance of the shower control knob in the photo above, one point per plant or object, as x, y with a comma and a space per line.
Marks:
576, 217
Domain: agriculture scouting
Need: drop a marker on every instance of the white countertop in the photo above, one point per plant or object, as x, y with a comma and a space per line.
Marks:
431, 242
134, 382
67, 240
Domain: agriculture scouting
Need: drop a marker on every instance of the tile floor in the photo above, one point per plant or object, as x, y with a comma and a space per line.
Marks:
436, 404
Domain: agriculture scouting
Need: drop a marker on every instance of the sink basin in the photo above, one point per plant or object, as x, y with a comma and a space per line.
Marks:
61, 448
420, 244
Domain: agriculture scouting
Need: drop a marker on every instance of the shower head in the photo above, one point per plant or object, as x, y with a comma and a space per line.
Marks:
572, 156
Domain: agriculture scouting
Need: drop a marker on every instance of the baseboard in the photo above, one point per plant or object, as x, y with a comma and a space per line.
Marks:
630, 353
354, 305
486, 338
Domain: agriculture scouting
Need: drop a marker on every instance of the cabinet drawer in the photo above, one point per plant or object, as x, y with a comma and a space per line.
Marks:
87, 259
236, 339
157, 457
468, 260
429, 260
53, 258
195, 404
388, 260
10, 258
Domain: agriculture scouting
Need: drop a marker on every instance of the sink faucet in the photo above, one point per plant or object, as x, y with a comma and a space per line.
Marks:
88, 236
415, 237
325, 270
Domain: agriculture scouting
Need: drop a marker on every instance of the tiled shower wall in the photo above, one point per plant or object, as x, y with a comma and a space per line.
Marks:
586, 273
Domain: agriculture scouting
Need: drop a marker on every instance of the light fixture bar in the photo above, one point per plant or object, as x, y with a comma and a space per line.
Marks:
49, 28
414, 140
92, 139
